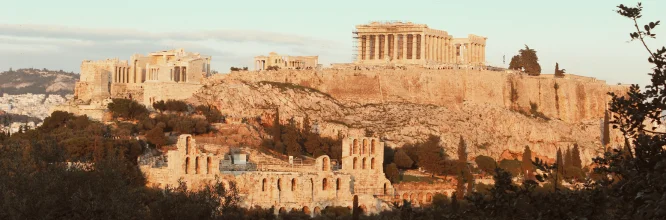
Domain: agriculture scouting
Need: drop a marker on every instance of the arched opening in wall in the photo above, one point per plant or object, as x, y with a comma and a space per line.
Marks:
187, 144
279, 184
365, 146
385, 188
363, 165
317, 211
324, 184
412, 197
429, 197
209, 165
282, 210
325, 164
294, 210
405, 197
373, 143
419, 198
187, 165
263, 185
196, 165
312, 187
372, 163
354, 163
355, 146
337, 184
306, 210
293, 184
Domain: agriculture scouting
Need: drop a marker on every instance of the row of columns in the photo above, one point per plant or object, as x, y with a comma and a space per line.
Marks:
418, 46
260, 64
475, 53
407, 46
121, 75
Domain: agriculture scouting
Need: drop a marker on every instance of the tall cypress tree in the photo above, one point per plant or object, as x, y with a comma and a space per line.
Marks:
526, 165
568, 158
576, 161
606, 132
560, 161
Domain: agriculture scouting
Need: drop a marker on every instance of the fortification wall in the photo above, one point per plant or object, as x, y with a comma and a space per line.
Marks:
167, 90
574, 99
127, 91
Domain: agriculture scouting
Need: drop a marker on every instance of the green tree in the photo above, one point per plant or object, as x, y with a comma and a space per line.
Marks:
559, 72
156, 136
559, 162
128, 109
516, 63
159, 105
392, 173
486, 164
526, 166
431, 155
605, 139
402, 160
575, 157
530, 61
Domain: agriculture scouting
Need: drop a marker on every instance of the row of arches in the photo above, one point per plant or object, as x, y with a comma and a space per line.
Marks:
364, 163
294, 184
197, 167
355, 149
421, 198
316, 211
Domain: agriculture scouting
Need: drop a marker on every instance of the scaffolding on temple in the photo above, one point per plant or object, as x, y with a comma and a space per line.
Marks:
355, 39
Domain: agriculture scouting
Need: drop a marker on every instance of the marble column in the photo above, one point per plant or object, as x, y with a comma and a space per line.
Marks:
414, 46
375, 42
404, 46
395, 47
422, 46
367, 47
385, 52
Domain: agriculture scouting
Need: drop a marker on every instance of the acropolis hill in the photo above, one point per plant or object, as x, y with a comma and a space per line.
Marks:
407, 82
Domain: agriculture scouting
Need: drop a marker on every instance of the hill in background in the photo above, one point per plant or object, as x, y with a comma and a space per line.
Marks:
37, 81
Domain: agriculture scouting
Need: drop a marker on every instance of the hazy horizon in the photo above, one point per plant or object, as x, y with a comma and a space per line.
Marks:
587, 39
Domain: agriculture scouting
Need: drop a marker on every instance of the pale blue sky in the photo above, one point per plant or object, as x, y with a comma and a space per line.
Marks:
585, 36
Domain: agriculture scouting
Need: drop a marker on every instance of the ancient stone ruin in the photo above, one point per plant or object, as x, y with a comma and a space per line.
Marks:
285, 61
408, 43
293, 184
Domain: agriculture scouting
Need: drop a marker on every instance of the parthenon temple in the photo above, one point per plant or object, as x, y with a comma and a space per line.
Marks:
408, 43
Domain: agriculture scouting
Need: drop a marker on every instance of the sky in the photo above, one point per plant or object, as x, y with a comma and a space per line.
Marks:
586, 37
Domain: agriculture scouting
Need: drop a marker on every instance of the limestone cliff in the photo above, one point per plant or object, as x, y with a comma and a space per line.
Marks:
571, 99
489, 128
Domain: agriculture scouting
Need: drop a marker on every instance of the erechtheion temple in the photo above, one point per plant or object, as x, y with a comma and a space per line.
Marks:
285, 61
408, 43
285, 185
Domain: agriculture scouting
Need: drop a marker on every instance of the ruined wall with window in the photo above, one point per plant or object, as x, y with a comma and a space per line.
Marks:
309, 186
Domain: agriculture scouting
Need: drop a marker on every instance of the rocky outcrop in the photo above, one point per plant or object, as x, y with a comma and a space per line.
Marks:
489, 129
571, 99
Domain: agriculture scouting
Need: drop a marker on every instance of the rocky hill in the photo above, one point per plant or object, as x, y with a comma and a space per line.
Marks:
489, 129
37, 81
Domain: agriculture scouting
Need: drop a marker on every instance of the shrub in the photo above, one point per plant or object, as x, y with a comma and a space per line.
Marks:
512, 166
127, 108
486, 164
402, 160
176, 106
392, 173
